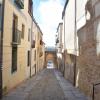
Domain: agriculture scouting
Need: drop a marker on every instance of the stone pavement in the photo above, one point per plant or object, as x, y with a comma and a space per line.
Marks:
47, 85
70, 92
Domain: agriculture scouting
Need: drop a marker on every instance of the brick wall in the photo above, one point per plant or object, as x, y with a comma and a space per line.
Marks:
88, 63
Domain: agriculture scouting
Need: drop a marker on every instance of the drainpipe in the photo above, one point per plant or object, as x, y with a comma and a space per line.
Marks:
31, 43
1, 47
64, 48
75, 41
31, 48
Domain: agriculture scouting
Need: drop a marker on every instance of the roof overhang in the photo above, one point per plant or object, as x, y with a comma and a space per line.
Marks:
63, 13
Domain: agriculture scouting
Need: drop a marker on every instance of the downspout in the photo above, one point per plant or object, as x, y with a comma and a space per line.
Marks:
63, 16
31, 44
1, 47
31, 48
75, 42
64, 47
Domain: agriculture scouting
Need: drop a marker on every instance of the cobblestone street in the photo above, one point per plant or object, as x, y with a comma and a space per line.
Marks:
47, 85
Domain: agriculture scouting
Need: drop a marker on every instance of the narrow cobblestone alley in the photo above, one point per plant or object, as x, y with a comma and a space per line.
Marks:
47, 85
49, 49
47, 88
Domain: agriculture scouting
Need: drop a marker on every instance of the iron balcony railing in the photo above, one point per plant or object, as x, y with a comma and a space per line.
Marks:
41, 42
16, 37
57, 40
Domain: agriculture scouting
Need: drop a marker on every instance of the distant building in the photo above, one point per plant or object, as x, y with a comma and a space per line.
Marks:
39, 55
50, 54
59, 47
59, 38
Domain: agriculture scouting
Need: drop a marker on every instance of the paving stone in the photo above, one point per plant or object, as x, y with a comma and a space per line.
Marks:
46, 85
70, 92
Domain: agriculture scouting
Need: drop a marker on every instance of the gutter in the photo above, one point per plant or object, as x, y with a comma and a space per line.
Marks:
63, 13
75, 42
1, 47
63, 17
31, 51
31, 44
64, 48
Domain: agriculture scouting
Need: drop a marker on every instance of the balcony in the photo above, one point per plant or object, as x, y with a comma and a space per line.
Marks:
41, 42
33, 44
20, 3
40, 51
16, 37
57, 40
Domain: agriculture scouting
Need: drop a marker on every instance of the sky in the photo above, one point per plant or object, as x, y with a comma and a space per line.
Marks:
48, 15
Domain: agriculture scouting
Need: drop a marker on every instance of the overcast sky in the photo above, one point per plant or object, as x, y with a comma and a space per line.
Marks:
48, 14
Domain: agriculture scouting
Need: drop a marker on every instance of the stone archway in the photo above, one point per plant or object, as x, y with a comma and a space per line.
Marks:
51, 56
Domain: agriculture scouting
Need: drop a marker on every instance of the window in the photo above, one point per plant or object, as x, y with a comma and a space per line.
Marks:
34, 55
28, 58
28, 34
16, 34
15, 25
30, 7
23, 31
14, 59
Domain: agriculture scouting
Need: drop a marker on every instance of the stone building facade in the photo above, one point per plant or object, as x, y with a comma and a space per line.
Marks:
59, 47
19, 45
40, 50
88, 62
69, 39
16, 47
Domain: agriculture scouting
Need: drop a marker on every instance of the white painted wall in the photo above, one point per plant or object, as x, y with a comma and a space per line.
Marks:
69, 27
81, 20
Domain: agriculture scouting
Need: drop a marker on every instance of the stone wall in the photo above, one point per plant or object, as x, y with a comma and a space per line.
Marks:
51, 56
69, 67
88, 63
